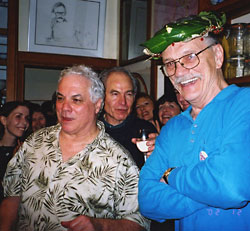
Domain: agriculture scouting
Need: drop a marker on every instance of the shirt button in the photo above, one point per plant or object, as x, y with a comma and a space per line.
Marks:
195, 125
192, 140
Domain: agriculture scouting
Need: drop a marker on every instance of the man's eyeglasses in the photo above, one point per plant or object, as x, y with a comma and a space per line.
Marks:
188, 61
60, 12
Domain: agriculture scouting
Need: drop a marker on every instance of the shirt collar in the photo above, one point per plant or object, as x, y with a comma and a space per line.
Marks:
223, 94
108, 125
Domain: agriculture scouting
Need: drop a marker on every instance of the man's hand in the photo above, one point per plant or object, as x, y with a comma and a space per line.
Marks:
150, 142
81, 223
85, 223
8, 213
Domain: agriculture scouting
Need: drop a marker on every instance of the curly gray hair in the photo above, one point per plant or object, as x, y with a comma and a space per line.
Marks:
96, 90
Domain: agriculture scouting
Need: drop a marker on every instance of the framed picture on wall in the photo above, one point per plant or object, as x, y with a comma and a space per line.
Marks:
71, 27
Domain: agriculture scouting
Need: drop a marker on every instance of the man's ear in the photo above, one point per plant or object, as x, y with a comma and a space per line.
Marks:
219, 55
98, 106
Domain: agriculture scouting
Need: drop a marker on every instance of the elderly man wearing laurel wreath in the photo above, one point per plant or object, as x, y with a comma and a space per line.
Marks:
199, 170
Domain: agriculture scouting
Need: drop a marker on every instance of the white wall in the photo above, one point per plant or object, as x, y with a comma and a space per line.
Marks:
111, 35
243, 19
112, 26
143, 68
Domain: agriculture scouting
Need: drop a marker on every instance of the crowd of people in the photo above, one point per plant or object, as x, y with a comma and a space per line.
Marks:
111, 102
72, 163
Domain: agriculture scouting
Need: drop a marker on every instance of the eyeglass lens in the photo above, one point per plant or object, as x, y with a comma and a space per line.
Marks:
188, 61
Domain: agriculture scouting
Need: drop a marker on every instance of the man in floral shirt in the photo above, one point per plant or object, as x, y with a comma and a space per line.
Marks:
73, 176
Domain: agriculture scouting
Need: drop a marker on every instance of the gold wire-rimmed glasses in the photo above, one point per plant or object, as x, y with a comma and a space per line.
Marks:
188, 61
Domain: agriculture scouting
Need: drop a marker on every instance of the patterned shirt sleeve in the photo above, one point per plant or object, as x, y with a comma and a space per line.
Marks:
12, 178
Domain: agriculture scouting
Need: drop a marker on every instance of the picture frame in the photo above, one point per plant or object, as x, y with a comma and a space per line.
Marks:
70, 27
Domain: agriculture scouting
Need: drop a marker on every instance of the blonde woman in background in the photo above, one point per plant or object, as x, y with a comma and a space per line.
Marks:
145, 106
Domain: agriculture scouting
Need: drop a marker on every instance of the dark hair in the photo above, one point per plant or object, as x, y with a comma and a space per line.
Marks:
7, 108
143, 95
48, 108
58, 4
165, 98
105, 74
35, 107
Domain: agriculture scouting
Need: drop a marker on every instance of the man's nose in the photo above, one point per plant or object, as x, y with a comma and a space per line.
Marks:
66, 105
123, 100
179, 69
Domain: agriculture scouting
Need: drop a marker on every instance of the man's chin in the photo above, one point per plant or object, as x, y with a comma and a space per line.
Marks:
121, 118
115, 119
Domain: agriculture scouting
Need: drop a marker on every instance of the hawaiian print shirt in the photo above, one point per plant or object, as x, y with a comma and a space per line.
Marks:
100, 181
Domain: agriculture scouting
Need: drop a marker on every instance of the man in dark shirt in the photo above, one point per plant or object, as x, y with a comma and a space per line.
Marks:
120, 122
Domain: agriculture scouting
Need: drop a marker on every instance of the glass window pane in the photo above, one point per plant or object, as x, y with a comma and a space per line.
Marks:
3, 16
3, 47
3, 72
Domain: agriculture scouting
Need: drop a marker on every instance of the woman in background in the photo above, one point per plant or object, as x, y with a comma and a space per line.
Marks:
144, 106
167, 107
14, 121
38, 117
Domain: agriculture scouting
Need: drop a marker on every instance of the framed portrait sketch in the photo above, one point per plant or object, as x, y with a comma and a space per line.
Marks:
71, 27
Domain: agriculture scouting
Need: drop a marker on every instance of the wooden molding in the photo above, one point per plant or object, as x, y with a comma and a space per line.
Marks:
54, 61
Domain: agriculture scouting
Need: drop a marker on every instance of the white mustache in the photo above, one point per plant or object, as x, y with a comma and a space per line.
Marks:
186, 77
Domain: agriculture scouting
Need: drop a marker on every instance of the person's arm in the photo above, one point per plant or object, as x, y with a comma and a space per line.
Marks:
95, 224
223, 177
8, 213
157, 200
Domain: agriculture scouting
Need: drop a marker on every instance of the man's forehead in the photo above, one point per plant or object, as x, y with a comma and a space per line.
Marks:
60, 8
119, 79
182, 48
